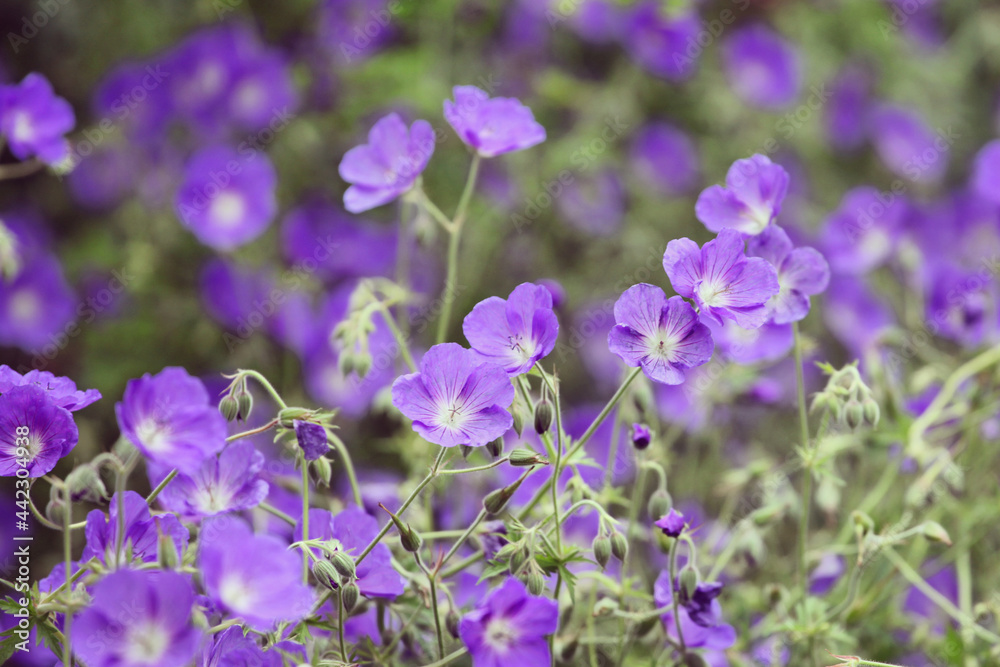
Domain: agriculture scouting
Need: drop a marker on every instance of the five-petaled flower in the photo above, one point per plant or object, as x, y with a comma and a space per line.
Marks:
509, 628
802, 272
492, 126
751, 200
516, 332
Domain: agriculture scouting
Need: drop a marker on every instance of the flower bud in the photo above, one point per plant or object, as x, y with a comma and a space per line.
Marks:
871, 410
229, 408
619, 546
84, 483
602, 550
641, 436
535, 580
543, 416
244, 402
323, 469
326, 574
166, 553
362, 364
496, 501
605, 607
451, 621
518, 557
689, 581
659, 504
694, 660
495, 447
344, 564
522, 458
349, 596
854, 414
288, 416
408, 538
466, 450
932, 530
55, 511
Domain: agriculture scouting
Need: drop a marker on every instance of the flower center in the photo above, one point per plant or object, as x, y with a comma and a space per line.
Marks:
237, 595
25, 306
146, 644
24, 127
500, 635
709, 293
154, 435
214, 500
228, 209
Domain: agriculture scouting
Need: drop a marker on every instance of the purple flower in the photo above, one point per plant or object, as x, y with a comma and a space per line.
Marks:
802, 272
672, 524
509, 627
769, 342
959, 304
354, 529
138, 619
34, 120
254, 577
641, 437
863, 232
908, 146
856, 315
142, 531
846, 113
36, 306
30, 421
388, 165
353, 30
262, 94
986, 172
514, 333
751, 200
826, 574
312, 439
492, 126
762, 67
227, 199
228, 483
721, 279
664, 45
456, 398
61, 390
917, 605
231, 648
660, 335
134, 94
170, 419
594, 204
700, 617
666, 159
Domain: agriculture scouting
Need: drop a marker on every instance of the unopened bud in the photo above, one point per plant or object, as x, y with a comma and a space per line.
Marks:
84, 483
871, 410
349, 595
229, 408
619, 546
362, 364
863, 522
326, 574
244, 402
166, 553
523, 458
344, 564
466, 450
535, 580
518, 414
602, 550
543, 416
641, 437
408, 538
346, 363
496, 501
451, 621
495, 447
932, 530
605, 607
55, 511
518, 557
689, 581
854, 414
659, 504
323, 469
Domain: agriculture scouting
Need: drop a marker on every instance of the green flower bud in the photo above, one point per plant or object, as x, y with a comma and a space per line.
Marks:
408, 538
166, 553
871, 410
349, 595
602, 550
495, 447
523, 458
543, 416
55, 511
345, 363
496, 501
932, 530
619, 546
605, 607
287, 416
244, 401
659, 504
323, 470
535, 580
689, 581
854, 414
518, 557
863, 522
344, 564
451, 621
362, 364
326, 574
85, 483
229, 408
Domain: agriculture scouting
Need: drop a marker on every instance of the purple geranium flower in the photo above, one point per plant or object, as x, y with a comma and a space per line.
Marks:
664, 45
514, 333
594, 204
492, 126
672, 524
660, 335
762, 67
34, 120
312, 439
863, 232
36, 306
61, 390
355, 529
228, 483
826, 574
388, 165
986, 172
142, 531
31, 421
138, 619
509, 627
227, 199
456, 398
769, 342
254, 577
959, 304
846, 113
802, 272
666, 159
855, 314
232, 648
721, 279
908, 146
700, 617
751, 200
169, 418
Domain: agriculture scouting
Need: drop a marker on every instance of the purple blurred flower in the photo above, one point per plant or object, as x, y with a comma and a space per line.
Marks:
769, 342
36, 306
802, 272
855, 315
959, 304
142, 531
944, 581
846, 112
700, 617
595, 204
826, 574
641, 436
864, 230
255, 577
262, 97
135, 95
492, 126
61, 390
597, 21
721, 279
138, 619
514, 333
231, 648
666, 159
985, 179
509, 627
388, 165
354, 30
908, 146
34, 120
771, 652
102, 180
672, 524
751, 199
32, 421
354, 529
763, 68
169, 418
312, 439
227, 199
456, 398
666, 46
228, 483
662, 336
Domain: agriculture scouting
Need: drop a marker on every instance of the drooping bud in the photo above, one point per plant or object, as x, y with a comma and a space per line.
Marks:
408, 538
326, 574
85, 483
344, 564
871, 410
244, 403
496, 501
932, 530
349, 595
689, 581
346, 363
55, 511
229, 408
543, 416
466, 450
362, 364
605, 607
523, 458
535, 580
451, 621
166, 553
518, 557
659, 504
323, 470
619, 546
495, 447
602, 550
854, 414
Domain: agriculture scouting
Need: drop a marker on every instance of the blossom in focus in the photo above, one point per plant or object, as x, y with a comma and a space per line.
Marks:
721, 279
700, 617
31, 421
509, 627
388, 165
660, 335
763, 68
34, 120
516, 332
142, 531
802, 272
455, 398
492, 126
61, 390
750, 200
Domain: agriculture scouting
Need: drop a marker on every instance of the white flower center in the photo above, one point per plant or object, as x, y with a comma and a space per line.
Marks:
213, 500
237, 595
710, 294
500, 635
229, 209
250, 97
146, 644
24, 127
25, 306
153, 435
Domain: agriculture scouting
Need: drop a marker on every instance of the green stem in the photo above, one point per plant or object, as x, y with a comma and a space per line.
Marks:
434, 604
348, 466
673, 579
461, 471
215, 629
401, 341
341, 619
305, 520
68, 565
807, 473
450, 658
267, 386
159, 487
455, 234
461, 540
254, 431
270, 509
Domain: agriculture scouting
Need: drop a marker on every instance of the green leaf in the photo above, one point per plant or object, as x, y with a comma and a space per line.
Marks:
492, 570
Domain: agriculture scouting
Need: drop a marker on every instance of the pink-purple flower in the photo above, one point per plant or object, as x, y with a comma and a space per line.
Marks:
721, 279
312, 439
514, 333
35, 432
34, 121
985, 179
802, 272
456, 398
61, 390
763, 68
662, 336
509, 627
138, 619
672, 523
142, 532
701, 621
751, 199
388, 165
492, 126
